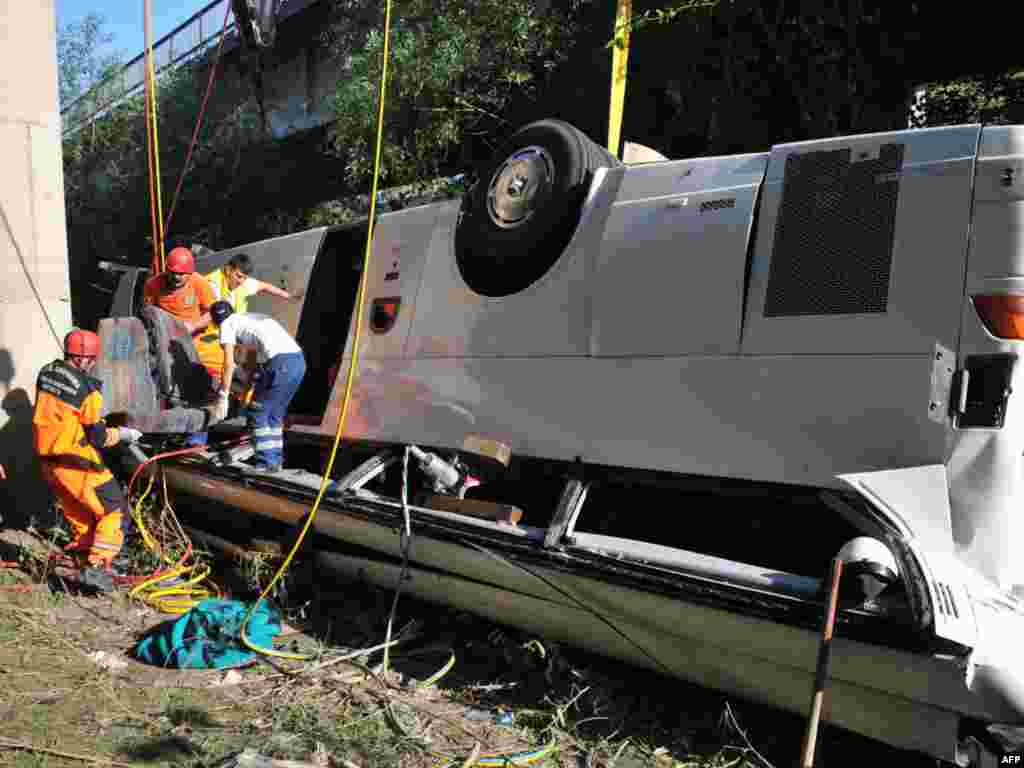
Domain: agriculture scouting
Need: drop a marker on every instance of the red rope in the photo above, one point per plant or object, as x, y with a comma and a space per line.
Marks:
188, 550
151, 459
199, 120
132, 580
179, 452
61, 559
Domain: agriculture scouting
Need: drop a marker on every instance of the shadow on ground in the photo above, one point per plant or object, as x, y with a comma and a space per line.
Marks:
161, 748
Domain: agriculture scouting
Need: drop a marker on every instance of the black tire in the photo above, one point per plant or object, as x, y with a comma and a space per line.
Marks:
180, 377
516, 221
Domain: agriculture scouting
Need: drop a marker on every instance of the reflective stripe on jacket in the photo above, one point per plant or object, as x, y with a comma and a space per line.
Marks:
66, 424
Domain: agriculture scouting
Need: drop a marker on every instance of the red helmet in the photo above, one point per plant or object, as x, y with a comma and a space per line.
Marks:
80, 343
180, 260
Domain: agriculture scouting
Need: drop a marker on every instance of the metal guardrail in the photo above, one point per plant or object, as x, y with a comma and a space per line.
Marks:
186, 41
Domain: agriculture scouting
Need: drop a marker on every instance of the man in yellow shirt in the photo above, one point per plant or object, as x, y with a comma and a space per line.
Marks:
234, 284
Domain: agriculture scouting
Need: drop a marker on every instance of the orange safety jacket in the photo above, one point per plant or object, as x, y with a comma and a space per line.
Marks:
67, 426
190, 302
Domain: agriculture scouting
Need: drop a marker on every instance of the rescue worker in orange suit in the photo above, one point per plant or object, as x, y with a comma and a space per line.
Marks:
69, 434
188, 296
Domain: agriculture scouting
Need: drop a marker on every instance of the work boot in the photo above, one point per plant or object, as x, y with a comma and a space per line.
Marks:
121, 565
259, 465
98, 579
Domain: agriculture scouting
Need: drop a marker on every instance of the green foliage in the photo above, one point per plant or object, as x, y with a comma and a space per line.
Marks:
79, 61
662, 16
989, 99
454, 68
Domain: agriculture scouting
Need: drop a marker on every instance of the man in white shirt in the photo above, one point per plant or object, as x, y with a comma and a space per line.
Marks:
281, 366
234, 283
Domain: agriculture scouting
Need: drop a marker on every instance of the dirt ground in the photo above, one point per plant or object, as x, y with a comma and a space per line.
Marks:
71, 695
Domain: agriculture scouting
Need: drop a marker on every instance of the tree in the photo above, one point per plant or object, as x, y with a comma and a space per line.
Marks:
990, 99
80, 64
750, 73
455, 68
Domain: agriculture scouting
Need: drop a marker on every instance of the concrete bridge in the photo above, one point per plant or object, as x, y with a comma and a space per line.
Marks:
298, 75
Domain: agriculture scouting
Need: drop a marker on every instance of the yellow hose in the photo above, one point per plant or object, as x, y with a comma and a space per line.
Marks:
503, 759
353, 363
180, 596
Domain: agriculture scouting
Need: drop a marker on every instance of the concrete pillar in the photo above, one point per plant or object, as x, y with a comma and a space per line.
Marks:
35, 297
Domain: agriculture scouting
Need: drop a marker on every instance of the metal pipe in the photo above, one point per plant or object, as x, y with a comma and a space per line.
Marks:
821, 674
225, 546
235, 495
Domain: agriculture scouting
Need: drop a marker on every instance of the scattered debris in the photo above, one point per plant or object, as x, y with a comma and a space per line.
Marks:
108, 661
500, 717
509, 698
320, 758
12, 744
473, 756
251, 759
231, 677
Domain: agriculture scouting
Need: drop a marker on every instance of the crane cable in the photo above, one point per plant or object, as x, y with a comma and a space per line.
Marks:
199, 119
353, 361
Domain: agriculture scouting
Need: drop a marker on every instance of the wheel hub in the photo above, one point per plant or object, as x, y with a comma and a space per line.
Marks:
520, 186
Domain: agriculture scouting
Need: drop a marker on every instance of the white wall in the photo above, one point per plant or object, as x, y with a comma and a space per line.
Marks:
35, 306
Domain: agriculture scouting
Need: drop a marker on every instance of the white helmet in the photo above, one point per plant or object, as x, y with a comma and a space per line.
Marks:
868, 555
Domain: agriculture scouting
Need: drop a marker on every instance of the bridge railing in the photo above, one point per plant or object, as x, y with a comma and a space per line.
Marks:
183, 43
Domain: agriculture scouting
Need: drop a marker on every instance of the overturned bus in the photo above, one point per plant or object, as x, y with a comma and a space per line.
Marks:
708, 377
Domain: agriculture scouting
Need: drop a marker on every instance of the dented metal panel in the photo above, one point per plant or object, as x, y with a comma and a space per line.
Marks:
286, 262
997, 234
799, 419
986, 477
668, 278
916, 499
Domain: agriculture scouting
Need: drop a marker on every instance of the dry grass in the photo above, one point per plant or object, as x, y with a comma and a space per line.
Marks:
589, 712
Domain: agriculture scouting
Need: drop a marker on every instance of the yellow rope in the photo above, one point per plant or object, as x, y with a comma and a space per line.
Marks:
156, 161
353, 363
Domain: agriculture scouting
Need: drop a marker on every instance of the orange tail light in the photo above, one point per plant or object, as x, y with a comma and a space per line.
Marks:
1002, 314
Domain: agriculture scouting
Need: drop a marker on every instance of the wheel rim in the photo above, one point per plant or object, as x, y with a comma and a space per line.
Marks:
520, 186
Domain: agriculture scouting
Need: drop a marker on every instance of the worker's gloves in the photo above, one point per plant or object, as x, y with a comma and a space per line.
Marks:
220, 410
128, 435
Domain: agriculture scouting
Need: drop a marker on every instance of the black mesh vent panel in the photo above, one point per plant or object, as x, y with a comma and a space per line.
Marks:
833, 238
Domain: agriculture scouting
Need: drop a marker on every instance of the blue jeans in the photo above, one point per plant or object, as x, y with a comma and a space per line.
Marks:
273, 392
196, 438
